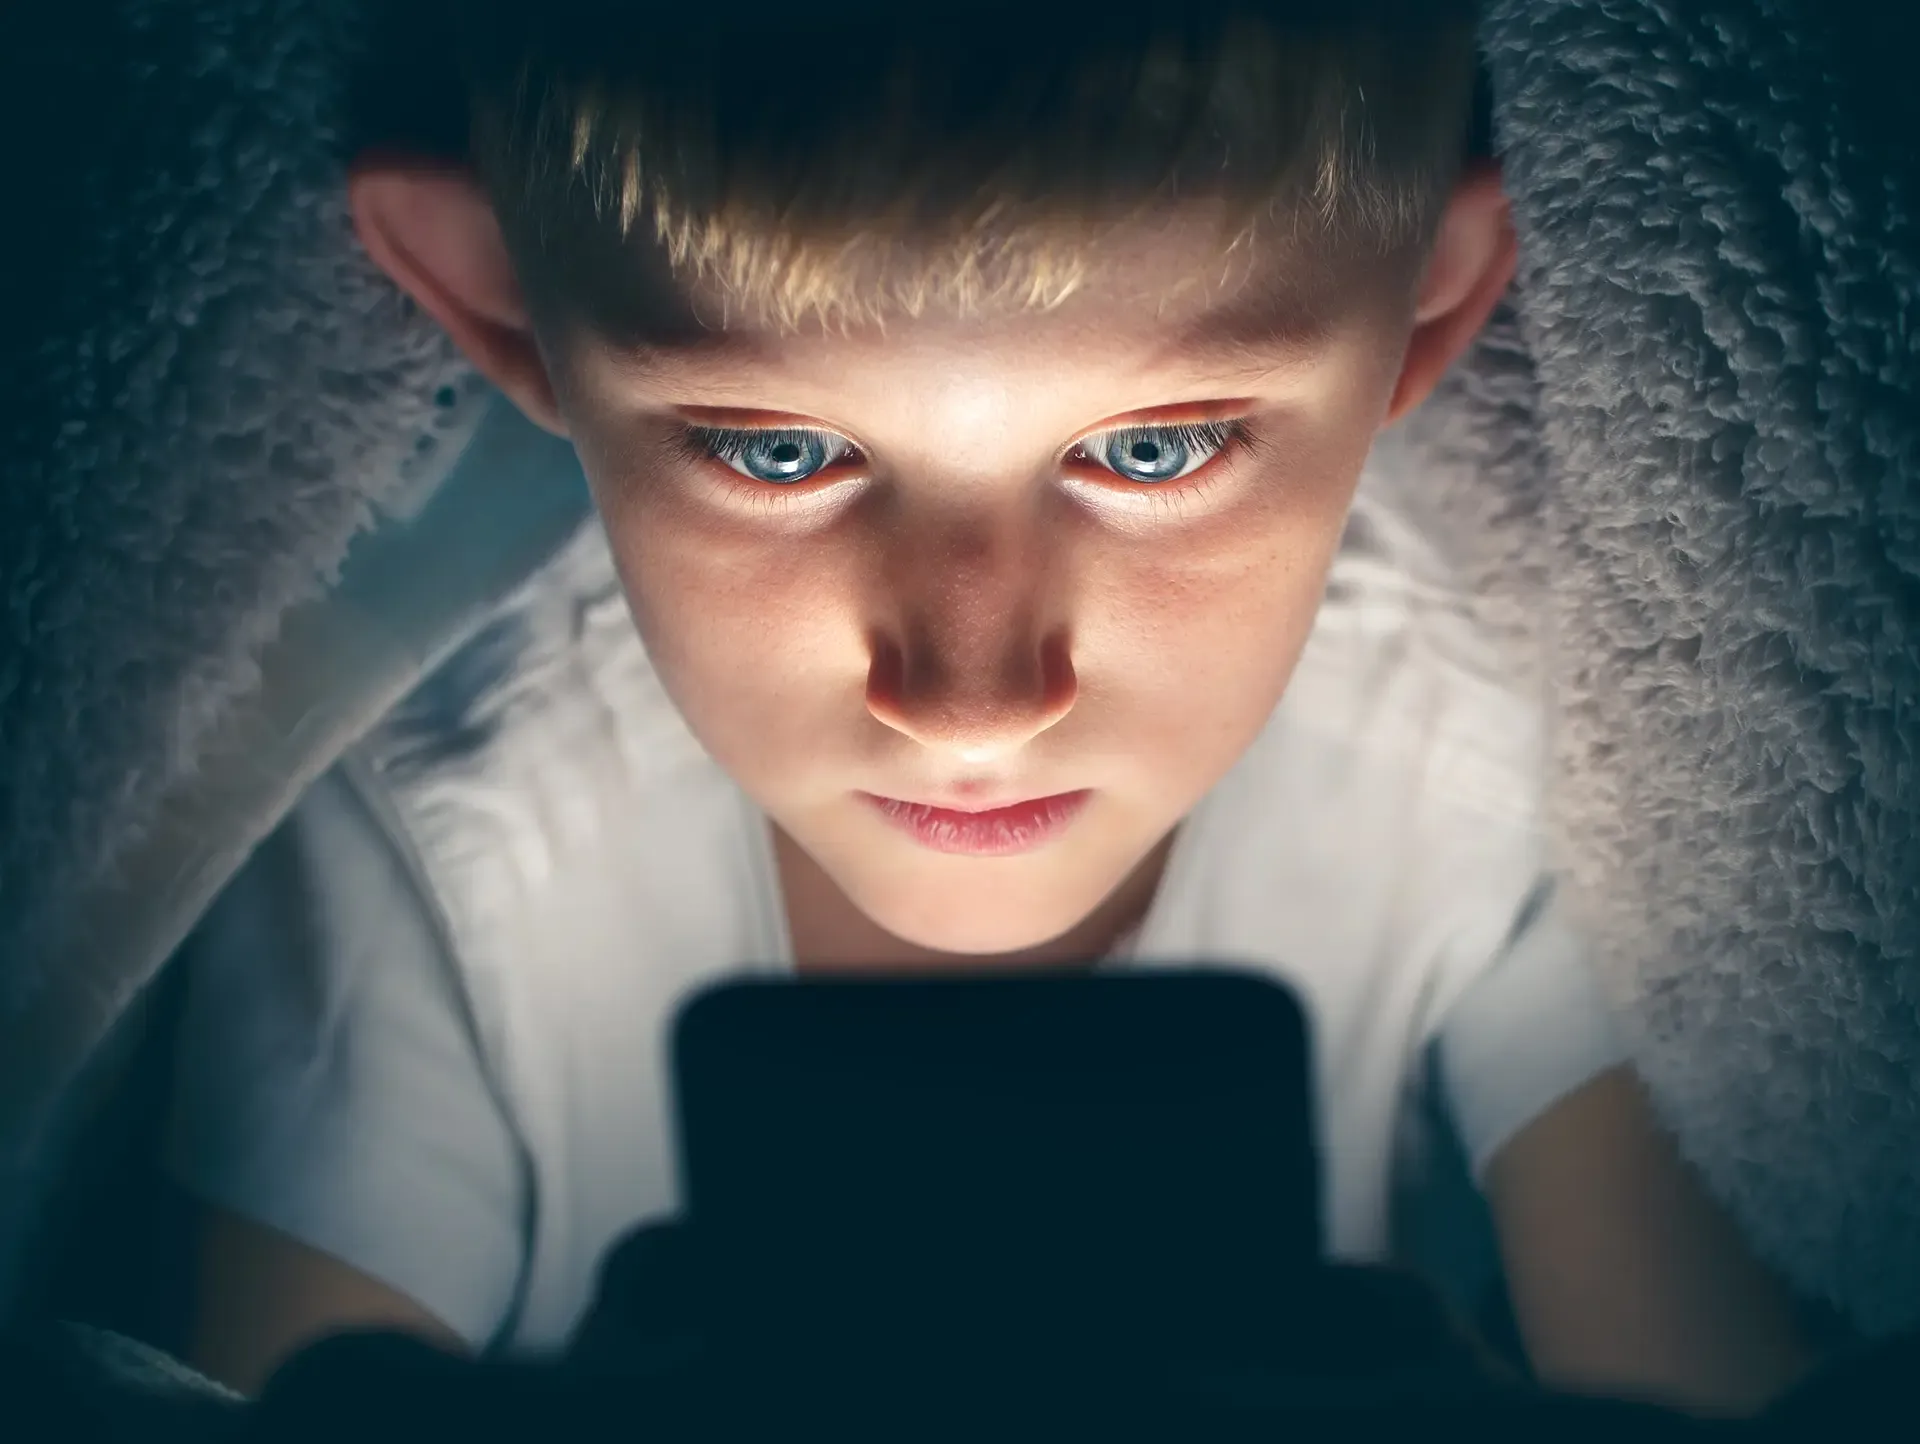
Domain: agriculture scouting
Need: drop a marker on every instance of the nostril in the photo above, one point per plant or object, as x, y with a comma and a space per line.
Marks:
975, 711
1059, 684
886, 677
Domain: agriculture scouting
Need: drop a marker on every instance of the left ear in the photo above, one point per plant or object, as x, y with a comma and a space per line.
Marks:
1472, 264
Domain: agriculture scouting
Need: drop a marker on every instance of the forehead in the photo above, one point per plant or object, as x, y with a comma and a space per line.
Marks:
1173, 289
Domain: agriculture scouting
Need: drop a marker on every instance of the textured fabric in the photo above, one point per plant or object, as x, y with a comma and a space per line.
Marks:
63, 1382
1687, 476
131, 1364
1683, 471
550, 865
206, 392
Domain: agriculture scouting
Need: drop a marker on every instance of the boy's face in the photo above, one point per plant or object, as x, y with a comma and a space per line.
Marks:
982, 593
959, 565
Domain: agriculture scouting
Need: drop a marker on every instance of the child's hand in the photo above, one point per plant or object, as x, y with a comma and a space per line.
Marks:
646, 1310
1348, 1329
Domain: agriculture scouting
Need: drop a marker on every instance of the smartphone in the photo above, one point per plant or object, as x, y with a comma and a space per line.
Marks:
1119, 1164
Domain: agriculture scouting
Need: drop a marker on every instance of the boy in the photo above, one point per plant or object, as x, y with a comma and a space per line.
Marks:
974, 410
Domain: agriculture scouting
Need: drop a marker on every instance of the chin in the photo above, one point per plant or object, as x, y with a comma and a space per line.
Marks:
982, 924
980, 942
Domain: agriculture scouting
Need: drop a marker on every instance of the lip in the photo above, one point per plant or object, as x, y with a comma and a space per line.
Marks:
990, 832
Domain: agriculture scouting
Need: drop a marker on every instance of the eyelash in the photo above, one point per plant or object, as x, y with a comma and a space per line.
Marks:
708, 444
721, 443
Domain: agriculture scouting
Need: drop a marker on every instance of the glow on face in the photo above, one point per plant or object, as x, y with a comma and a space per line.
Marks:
967, 562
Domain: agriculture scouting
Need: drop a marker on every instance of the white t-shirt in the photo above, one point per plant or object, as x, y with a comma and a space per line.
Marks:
424, 1028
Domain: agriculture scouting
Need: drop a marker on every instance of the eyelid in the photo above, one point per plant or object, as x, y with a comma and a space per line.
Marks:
749, 418
1186, 413
741, 418
744, 419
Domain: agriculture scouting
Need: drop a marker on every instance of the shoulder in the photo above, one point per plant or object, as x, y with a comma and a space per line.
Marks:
316, 898
554, 697
1403, 678
328, 1084
326, 929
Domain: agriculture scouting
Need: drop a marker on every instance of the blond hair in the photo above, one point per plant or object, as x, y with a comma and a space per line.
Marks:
846, 169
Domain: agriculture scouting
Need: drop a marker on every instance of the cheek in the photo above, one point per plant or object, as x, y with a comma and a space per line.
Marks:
1183, 637
1196, 639
750, 645
1199, 660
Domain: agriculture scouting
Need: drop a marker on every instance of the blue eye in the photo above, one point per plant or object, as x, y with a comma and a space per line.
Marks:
780, 457
1151, 454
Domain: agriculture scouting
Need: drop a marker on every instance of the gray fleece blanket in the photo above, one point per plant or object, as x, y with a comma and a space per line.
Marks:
1680, 473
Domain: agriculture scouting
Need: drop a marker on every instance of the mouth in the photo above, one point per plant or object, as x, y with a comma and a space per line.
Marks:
990, 832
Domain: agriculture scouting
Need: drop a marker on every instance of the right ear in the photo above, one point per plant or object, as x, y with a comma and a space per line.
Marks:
432, 228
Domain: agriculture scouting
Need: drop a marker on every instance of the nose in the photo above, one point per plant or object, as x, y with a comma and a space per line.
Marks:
972, 658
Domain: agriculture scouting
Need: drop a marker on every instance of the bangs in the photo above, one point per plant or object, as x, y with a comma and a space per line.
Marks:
841, 174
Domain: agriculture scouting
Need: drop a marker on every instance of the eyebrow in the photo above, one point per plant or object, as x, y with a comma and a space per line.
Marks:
644, 360
1253, 336
1263, 333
